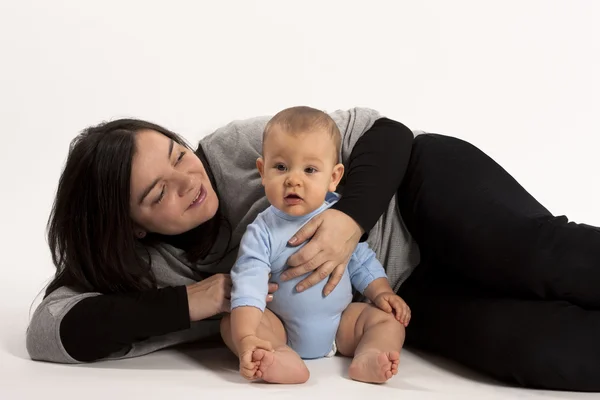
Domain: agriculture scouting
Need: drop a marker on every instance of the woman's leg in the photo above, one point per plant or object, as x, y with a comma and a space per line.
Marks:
534, 343
471, 218
492, 258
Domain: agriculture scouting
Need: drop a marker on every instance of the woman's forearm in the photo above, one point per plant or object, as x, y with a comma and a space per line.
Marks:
98, 326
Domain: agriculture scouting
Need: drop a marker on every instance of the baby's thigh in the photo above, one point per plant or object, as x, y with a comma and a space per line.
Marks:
349, 332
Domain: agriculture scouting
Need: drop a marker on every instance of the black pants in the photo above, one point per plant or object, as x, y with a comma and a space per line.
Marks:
503, 286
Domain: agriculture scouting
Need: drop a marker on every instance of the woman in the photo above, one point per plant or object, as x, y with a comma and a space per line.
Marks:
143, 233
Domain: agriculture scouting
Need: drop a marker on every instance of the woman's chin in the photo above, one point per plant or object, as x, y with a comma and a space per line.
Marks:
207, 213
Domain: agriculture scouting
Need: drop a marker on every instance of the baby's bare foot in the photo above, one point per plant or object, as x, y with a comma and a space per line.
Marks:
280, 366
374, 366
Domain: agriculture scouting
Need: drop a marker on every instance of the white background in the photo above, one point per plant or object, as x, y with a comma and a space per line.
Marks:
517, 78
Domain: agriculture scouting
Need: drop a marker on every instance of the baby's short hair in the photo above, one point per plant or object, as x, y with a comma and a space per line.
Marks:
302, 119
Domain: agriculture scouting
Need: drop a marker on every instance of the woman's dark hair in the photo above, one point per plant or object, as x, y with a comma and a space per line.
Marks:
90, 230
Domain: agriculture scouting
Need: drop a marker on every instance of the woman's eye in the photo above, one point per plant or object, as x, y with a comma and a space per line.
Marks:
180, 157
160, 196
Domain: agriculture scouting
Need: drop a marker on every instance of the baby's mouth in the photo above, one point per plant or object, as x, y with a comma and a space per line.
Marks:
292, 199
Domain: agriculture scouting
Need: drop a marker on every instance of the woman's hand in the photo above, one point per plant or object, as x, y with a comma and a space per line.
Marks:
211, 296
334, 238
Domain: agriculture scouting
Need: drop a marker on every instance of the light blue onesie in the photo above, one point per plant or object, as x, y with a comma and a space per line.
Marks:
310, 319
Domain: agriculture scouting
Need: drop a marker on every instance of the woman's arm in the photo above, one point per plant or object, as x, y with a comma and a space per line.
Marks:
376, 167
71, 327
99, 326
375, 170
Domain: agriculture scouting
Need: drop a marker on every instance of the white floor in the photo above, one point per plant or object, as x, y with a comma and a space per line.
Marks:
202, 373
518, 78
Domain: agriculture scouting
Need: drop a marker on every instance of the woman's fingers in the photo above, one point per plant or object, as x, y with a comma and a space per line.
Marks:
306, 232
321, 273
307, 259
273, 287
311, 265
334, 279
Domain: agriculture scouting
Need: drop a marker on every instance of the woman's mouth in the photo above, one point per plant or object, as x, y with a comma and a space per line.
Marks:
199, 198
292, 199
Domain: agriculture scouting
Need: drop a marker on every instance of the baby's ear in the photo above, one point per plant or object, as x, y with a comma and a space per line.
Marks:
260, 165
336, 176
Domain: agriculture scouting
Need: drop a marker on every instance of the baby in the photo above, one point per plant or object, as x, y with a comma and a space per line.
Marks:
300, 171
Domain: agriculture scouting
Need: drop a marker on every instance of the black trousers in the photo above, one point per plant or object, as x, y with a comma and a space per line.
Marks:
503, 286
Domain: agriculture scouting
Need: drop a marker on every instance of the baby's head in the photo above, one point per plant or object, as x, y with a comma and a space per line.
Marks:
301, 147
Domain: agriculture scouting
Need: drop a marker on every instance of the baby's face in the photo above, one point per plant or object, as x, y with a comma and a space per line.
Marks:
298, 170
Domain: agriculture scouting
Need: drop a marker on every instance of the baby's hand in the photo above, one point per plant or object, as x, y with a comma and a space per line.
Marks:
391, 302
247, 346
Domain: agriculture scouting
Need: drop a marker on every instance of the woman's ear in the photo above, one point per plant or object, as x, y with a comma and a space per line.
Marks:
336, 176
139, 232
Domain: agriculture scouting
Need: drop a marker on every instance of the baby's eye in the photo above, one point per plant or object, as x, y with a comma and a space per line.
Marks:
280, 167
310, 170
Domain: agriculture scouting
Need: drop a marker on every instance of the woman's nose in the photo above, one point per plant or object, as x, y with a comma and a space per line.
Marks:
185, 183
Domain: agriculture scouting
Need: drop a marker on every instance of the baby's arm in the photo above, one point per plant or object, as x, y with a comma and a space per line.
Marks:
368, 277
250, 277
365, 269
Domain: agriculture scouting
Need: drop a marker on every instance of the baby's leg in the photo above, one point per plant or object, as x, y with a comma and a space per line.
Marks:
374, 338
281, 366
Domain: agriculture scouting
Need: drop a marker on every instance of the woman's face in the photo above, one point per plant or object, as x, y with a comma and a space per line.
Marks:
170, 190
